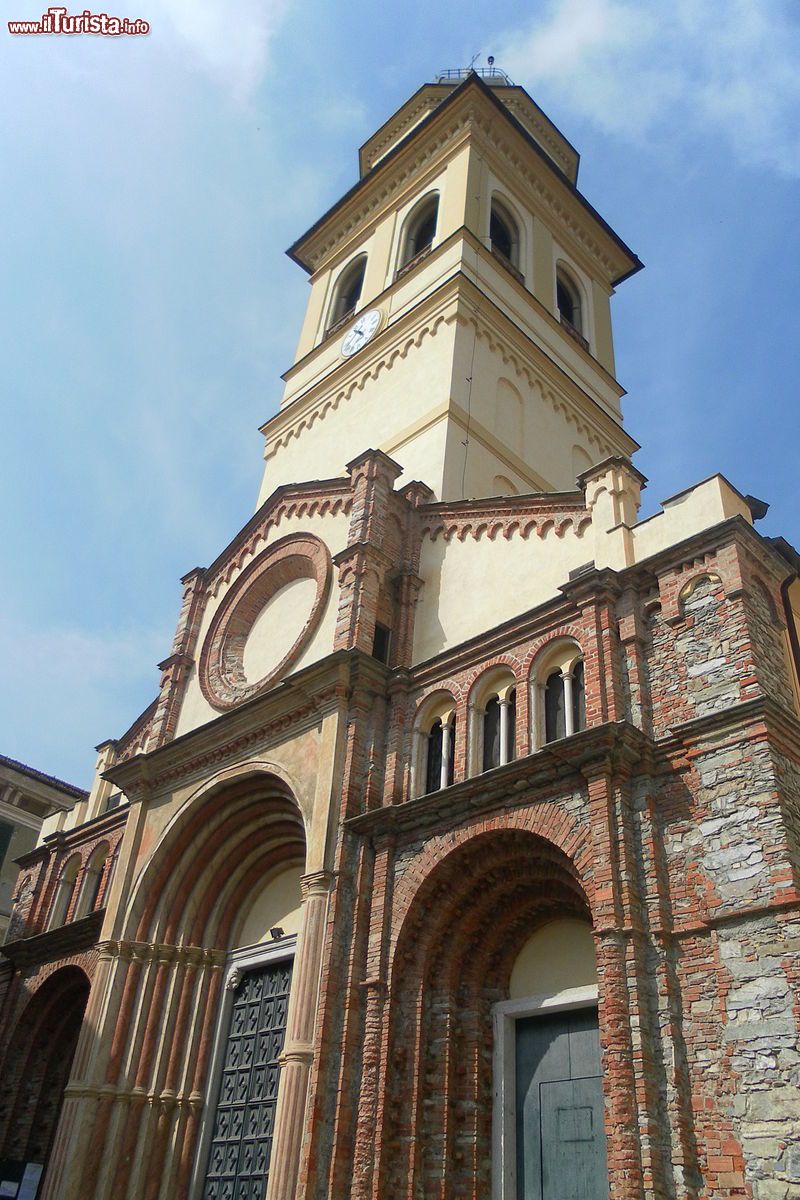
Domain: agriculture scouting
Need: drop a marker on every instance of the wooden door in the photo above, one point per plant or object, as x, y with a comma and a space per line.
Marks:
561, 1150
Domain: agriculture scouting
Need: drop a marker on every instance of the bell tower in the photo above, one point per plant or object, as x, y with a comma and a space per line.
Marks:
459, 316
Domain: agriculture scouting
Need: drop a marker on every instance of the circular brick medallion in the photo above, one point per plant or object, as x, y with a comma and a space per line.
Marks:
268, 580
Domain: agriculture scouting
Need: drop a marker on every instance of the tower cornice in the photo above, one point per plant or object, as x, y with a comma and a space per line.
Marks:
470, 106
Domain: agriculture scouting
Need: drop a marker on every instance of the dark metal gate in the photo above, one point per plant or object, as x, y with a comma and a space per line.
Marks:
241, 1146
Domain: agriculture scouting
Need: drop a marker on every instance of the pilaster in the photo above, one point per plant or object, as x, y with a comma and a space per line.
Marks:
298, 1050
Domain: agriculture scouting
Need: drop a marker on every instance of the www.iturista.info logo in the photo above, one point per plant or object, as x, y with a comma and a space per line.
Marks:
58, 20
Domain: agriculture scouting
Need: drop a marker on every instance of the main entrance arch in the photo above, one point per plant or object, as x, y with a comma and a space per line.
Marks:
163, 991
455, 953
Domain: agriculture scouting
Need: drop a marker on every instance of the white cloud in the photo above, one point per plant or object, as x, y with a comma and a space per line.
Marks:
683, 69
229, 43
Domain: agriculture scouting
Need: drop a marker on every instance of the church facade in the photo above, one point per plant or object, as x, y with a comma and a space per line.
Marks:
457, 855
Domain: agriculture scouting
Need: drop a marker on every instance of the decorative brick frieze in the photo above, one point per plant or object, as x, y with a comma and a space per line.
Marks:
136, 739
175, 669
522, 517
322, 499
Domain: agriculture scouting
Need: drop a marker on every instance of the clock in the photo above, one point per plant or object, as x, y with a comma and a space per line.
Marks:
363, 331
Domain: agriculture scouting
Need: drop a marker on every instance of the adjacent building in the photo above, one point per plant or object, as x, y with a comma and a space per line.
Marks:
457, 854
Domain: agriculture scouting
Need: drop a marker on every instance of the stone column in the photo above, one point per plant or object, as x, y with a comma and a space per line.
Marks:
298, 1051
569, 712
503, 730
473, 741
444, 773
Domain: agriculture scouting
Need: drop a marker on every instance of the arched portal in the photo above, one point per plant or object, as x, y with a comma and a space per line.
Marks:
36, 1070
228, 866
456, 951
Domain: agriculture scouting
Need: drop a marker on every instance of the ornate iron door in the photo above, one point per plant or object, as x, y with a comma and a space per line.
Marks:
238, 1164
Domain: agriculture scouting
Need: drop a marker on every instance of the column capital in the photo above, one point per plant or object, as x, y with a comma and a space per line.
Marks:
317, 883
297, 1053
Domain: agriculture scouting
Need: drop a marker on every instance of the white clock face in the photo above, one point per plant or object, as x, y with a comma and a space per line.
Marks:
365, 328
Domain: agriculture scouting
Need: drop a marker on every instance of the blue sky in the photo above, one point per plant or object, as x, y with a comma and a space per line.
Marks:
147, 310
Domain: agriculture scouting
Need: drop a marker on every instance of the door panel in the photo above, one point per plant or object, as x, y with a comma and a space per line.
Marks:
238, 1162
573, 1140
559, 1103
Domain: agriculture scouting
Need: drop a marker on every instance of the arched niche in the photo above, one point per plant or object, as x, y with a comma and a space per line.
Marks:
433, 749
509, 414
493, 720
558, 692
581, 461
502, 486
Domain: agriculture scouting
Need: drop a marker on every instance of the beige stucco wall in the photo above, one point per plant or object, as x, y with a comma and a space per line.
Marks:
455, 603
697, 508
558, 956
276, 905
307, 761
387, 397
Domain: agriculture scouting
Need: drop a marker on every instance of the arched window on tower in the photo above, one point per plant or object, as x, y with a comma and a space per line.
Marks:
568, 299
504, 238
419, 233
347, 293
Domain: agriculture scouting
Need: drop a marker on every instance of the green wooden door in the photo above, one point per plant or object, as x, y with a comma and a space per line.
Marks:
561, 1150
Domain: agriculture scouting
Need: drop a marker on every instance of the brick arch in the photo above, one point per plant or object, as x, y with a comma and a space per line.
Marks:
187, 906
560, 633
544, 820
466, 906
211, 855
474, 680
453, 686
37, 1065
690, 585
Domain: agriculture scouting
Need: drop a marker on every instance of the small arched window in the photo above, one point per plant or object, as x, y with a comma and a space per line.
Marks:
499, 730
568, 299
440, 755
65, 892
348, 292
564, 703
504, 236
420, 232
92, 881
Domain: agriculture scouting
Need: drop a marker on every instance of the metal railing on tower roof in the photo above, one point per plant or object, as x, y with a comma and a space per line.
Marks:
491, 75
